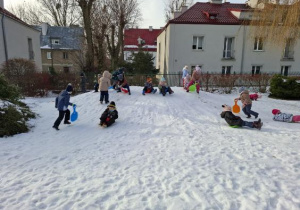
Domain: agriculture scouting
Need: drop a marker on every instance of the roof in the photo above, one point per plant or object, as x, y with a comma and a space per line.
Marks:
131, 35
13, 17
69, 37
200, 13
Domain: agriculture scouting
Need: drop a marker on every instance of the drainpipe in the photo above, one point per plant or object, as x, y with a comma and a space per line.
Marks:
243, 49
4, 37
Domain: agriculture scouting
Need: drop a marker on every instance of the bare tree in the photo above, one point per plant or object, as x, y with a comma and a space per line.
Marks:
174, 5
123, 12
30, 13
86, 8
276, 22
61, 12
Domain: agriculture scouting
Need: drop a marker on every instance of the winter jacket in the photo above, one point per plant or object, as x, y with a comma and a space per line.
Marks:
231, 119
104, 81
109, 117
162, 83
283, 117
62, 101
196, 75
184, 72
148, 85
245, 97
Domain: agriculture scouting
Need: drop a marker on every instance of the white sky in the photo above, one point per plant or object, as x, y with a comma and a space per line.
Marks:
152, 10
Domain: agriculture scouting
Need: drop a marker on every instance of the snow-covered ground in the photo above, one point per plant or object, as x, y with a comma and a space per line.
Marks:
172, 152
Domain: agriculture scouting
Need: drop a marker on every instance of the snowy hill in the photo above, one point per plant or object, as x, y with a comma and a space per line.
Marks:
172, 152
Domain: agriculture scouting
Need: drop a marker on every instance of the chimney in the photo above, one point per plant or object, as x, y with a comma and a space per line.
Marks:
216, 1
183, 8
150, 28
176, 14
2, 3
44, 28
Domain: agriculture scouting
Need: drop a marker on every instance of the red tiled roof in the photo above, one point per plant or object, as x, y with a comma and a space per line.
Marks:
131, 35
12, 16
199, 14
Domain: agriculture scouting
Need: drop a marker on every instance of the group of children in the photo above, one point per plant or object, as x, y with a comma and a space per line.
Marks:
188, 80
110, 114
246, 100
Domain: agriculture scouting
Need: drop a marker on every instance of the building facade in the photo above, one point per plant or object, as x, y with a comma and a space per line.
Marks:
213, 36
140, 39
18, 39
61, 48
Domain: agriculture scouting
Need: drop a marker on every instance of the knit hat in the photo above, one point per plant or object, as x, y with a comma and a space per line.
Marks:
162, 79
149, 79
69, 88
241, 89
186, 67
226, 108
112, 104
275, 111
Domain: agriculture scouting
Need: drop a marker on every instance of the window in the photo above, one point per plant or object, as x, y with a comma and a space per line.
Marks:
228, 47
66, 69
226, 70
288, 49
256, 70
258, 44
30, 49
55, 41
285, 70
198, 42
49, 55
65, 55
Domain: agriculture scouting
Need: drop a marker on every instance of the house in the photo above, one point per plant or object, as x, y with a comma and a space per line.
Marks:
61, 48
213, 36
18, 39
136, 39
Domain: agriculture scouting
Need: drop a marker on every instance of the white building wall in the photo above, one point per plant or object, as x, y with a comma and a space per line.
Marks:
17, 36
179, 50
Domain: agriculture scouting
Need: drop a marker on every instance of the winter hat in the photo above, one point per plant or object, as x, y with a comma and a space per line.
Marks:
186, 67
112, 104
226, 108
241, 89
149, 79
162, 79
69, 88
275, 111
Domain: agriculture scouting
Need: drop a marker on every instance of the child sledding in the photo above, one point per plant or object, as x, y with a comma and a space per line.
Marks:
236, 121
109, 116
164, 88
285, 117
148, 88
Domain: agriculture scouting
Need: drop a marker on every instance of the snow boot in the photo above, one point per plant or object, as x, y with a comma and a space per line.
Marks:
67, 122
143, 92
257, 124
154, 91
55, 127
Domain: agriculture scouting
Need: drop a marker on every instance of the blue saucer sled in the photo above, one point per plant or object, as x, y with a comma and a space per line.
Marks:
74, 114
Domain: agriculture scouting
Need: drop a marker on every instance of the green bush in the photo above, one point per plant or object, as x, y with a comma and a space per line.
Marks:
13, 113
284, 87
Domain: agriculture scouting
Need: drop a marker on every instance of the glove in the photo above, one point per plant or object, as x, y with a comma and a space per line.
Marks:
73, 105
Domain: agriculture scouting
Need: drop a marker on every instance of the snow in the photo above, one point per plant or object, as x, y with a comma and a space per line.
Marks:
172, 152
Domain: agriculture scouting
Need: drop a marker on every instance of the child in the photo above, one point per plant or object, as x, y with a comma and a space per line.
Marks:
254, 96
104, 84
163, 87
195, 79
284, 117
96, 83
187, 80
109, 116
247, 102
148, 88
184, 73
233, 120
122, 83
62, 102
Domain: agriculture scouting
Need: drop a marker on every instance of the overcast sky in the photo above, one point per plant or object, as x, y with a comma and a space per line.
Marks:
152, 10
